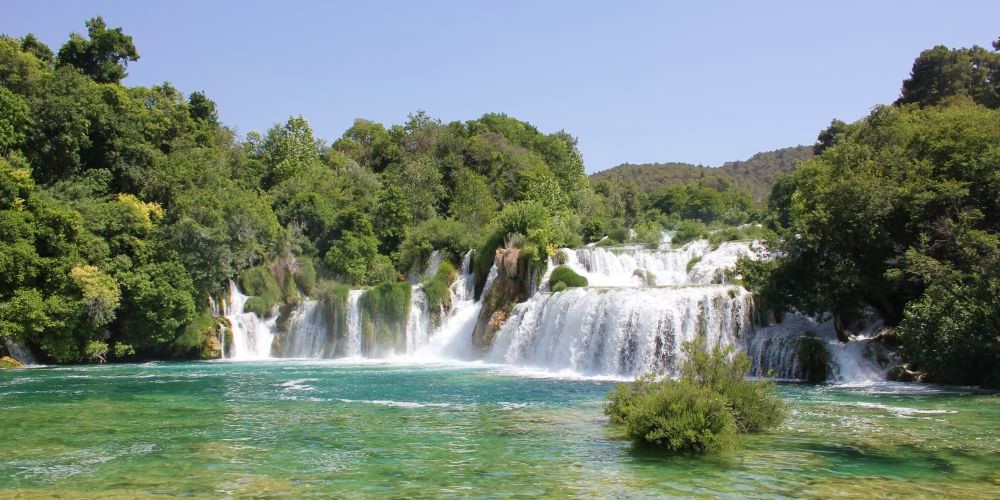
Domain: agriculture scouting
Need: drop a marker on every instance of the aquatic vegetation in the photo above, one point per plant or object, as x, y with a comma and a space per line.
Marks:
704, 410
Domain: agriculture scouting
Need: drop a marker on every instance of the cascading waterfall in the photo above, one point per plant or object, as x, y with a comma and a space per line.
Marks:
619, 331
354, 323
640, 306
252, 336
418, 326
774, 351
311, 337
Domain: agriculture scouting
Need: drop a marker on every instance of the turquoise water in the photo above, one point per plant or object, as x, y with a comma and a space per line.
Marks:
300, 428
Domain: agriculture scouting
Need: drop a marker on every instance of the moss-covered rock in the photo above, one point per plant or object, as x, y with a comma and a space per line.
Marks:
566, 277
814, 359
437, 291
517, 273
9, 362
905, 373
385, 310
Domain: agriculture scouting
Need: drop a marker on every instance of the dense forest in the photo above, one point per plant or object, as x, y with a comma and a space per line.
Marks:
755, 175
900, 213
125, 211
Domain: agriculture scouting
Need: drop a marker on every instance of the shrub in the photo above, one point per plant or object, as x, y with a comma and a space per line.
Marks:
618, 235
437, 290
649, 233
263, 289
305, 277
688, 230
565, 277
679, 416
753, 403
704, 410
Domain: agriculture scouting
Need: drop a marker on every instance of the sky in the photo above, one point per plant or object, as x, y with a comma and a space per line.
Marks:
699, 82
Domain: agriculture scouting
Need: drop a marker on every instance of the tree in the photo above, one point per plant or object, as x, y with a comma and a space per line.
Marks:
104, 56
939, 73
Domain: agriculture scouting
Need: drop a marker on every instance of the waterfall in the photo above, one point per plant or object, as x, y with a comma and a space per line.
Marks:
640, 306
19, 351
641, 267
311, 337
252, 337
619, 331
354, 323
774, 351
418, 325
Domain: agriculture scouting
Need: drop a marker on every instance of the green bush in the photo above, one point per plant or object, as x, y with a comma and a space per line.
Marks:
701, 412
618, 235
305, 277
437, 290
649, 233
264, 291
677, 415
565, 277
688, 230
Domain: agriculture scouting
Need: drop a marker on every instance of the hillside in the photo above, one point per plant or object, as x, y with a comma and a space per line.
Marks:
755, 175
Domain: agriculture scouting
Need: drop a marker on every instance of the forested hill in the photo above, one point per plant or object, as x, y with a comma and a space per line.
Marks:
755, 175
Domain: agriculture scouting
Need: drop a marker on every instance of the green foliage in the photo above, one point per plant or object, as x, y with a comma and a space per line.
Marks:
693, 262
649, 233
437, 290
941, 73
688, 231
754, 176
704, 410
122, 209
679, 417
447, 236
741, 233
104, 56
563, 277
305, 276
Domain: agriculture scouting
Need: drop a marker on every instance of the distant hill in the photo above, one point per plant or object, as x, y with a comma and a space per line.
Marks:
755, 175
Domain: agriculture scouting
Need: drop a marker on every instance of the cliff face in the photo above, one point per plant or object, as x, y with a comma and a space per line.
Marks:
517, 276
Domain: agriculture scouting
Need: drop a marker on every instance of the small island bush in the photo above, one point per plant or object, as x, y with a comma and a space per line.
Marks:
563, 277
704, 410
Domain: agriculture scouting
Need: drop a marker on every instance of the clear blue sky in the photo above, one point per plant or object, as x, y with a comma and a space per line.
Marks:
703, 82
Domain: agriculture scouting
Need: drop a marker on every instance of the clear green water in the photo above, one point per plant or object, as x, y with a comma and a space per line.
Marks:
298, 428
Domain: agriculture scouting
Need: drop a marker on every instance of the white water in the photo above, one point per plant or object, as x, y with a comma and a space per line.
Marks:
311, 339
642, 267
773, 350
418, 326
619, 331
354, 323
252, 336
640, 307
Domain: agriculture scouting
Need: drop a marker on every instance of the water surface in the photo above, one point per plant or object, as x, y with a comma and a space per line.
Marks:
323, 428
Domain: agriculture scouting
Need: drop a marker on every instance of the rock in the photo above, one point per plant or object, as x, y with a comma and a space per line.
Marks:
903, 373
516, 278
9, 362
